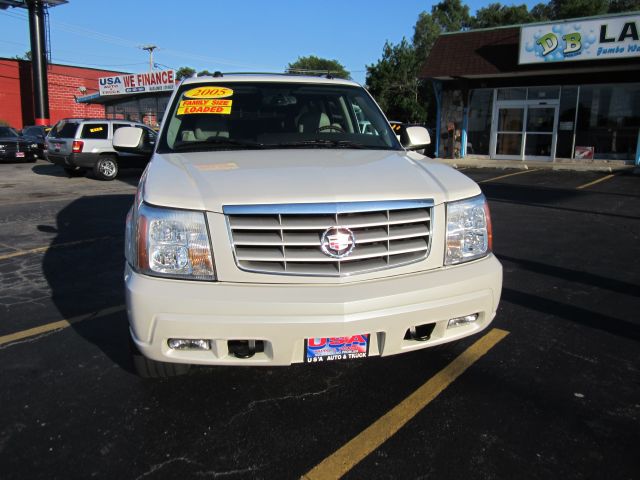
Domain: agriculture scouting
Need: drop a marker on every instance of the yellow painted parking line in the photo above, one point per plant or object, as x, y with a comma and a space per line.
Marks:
60, 324
354, 451
607, 177
30, 251
521, 172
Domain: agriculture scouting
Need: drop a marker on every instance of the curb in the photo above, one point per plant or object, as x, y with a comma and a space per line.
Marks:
526, 165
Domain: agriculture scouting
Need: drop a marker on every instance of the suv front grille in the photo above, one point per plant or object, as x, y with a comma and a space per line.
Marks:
286, 239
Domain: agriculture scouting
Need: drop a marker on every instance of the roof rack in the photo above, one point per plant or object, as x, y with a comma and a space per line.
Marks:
312, 73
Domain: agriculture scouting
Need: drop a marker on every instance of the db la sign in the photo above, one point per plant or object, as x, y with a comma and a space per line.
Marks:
606, 38
208, 92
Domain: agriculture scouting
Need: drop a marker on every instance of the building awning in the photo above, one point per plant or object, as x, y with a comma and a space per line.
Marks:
96, 98
493, 53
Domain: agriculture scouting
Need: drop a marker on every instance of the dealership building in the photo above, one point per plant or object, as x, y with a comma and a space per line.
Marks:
84, 92
556, 92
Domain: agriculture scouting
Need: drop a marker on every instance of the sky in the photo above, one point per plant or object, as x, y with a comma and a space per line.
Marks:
230, 36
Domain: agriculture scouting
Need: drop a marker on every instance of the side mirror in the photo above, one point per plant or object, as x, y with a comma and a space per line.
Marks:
131, 140
415, 138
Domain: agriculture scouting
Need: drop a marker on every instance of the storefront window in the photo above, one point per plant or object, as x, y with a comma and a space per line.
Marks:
512, 94
479, 126
609, 120
566, 122
544, 93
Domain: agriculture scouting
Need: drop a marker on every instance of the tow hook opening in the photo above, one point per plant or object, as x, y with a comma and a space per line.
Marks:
420, 333
245, 348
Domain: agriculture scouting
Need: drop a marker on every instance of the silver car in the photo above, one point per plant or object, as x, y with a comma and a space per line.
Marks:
81, 144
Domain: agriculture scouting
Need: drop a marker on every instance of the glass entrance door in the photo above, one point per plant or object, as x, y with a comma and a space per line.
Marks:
539, 138
524, 131
509, 132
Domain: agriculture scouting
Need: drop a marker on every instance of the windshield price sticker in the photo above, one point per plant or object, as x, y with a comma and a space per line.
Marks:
221, 107
336, 348
208, 92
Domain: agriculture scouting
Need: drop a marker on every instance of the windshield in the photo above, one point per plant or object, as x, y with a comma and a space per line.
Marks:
64, 129
7, 132
244, 115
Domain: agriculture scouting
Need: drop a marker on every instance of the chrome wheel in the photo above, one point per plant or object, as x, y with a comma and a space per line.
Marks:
107, 168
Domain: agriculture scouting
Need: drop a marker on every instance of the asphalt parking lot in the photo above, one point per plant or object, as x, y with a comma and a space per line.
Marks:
551, 390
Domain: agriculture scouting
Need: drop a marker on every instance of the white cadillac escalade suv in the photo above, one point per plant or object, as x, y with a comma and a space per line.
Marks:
270, 228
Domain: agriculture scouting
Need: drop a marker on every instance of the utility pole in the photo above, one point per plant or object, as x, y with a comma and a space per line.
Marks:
150, 49
39, 60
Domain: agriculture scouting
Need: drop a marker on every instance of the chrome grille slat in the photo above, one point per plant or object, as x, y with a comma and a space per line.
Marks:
285, 239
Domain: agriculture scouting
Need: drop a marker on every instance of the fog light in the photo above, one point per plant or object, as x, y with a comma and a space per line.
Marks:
189, 344
459, 321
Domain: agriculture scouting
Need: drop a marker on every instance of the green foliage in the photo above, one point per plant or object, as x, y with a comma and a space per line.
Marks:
495, 15
313, 65
451, 15
425, 33
184, 72
562, 9
616, 6
393, 81
26, 56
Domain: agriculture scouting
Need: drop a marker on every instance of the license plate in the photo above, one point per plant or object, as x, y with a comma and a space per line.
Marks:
19, 154
330, 349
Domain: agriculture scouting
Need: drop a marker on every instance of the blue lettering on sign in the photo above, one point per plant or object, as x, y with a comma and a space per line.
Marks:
609, 51
110, 81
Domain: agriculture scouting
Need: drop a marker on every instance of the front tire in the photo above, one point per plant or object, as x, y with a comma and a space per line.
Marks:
106, 168
147, 368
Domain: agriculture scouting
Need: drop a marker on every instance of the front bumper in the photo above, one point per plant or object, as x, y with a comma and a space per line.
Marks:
12, 156
282, 316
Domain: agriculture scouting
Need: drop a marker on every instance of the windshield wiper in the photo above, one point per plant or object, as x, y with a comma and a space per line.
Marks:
214, 143
321, 143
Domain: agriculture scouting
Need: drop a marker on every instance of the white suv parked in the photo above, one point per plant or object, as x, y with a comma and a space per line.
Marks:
270, 228
81, 144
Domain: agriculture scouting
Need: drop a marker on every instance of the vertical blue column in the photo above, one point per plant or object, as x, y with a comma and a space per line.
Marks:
638, 150
463, 133
437, 90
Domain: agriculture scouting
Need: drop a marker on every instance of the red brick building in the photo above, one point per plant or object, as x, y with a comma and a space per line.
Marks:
66, 83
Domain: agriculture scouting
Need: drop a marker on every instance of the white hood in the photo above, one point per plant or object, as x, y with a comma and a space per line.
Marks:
210, 180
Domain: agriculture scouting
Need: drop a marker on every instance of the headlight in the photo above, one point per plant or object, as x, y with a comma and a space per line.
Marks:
164, 242
469, 233
34, 145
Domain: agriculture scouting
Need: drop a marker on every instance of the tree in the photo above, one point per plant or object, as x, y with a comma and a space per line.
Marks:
562, 9
541, 13
495, 15
315, 65
184, 72
451, 15
425, 33
616, 6
394, 83
26, 56
446, 16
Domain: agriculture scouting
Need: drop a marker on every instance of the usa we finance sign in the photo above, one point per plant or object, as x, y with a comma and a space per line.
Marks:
155, 81
605, 38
